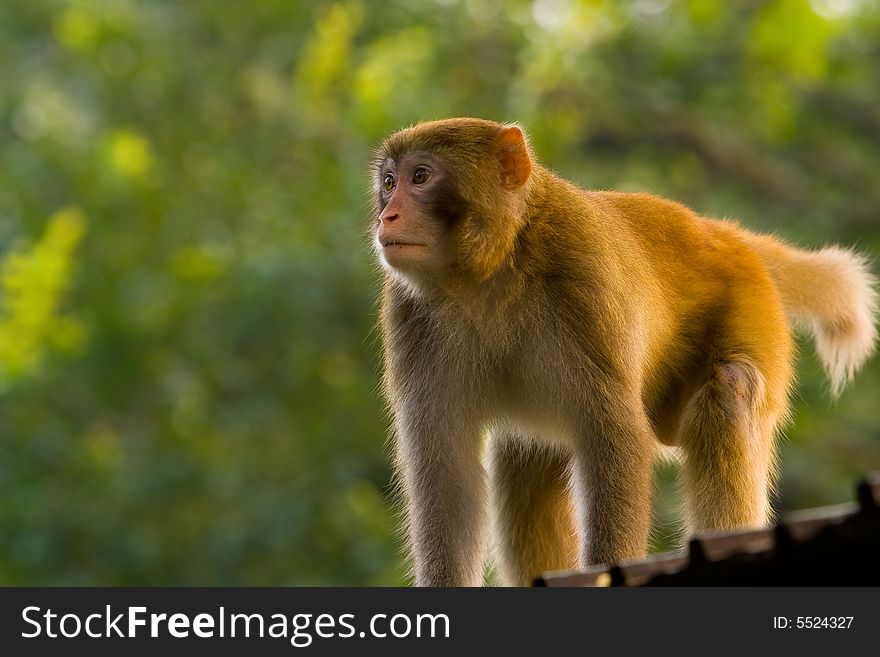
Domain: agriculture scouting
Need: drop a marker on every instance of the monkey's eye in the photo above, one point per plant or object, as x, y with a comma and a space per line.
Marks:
388, 182
420, 175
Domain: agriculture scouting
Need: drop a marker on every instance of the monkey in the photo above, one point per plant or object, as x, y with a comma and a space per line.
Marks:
544, 344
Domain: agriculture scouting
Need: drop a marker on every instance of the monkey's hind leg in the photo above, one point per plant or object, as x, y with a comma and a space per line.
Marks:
534, 522
727, 433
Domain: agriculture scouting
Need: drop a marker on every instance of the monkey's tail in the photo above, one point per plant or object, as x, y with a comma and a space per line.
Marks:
834, 294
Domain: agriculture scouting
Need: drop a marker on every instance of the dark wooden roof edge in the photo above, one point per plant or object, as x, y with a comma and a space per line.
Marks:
797, 528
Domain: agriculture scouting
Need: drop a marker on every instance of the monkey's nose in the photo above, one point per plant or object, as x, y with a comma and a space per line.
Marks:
389, 217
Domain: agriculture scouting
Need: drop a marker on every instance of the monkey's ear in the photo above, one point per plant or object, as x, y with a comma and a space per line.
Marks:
513, 156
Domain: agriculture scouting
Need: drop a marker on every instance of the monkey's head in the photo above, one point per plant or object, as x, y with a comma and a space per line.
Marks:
449, 199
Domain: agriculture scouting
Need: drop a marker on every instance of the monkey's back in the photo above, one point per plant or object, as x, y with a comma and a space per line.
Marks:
706, 296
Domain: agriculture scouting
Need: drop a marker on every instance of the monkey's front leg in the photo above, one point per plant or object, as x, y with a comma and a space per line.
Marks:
445, 483
613, 485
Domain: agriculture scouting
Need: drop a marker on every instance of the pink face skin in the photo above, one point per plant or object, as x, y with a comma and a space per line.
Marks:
406, 237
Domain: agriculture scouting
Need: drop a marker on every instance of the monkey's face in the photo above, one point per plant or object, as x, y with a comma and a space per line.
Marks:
447, 199
411, 234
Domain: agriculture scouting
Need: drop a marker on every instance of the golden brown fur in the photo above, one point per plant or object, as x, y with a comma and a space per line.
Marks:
582, 330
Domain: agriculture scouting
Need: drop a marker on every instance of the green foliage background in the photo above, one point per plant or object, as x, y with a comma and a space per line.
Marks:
188, 360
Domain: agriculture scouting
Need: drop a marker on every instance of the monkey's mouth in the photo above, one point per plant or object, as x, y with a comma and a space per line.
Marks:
390, 243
